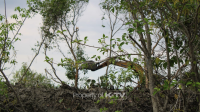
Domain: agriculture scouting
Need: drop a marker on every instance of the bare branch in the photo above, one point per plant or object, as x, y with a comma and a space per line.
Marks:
52, 77
136, 43
33, 59
176, 75
54, 70
156, 44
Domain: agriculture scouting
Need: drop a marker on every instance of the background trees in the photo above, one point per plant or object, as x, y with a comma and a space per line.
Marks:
31, 78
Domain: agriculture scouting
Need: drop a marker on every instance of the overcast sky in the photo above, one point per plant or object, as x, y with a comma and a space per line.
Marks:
90, 24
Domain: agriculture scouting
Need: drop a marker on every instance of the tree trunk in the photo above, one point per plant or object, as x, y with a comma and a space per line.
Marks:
146, 76
76, 78
151, 84
194, 68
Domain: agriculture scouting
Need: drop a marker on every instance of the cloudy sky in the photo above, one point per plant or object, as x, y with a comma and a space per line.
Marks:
90, 24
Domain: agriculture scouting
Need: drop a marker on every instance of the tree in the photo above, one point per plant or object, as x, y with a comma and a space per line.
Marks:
71, 70
165, 33
171, 19
180, 29
31, 78
6, 42
60, 18
175, 26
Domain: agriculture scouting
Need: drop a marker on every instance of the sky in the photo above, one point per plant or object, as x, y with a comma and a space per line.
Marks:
90, 24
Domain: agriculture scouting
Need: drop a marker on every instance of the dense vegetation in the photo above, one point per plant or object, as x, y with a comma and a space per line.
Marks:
164, 34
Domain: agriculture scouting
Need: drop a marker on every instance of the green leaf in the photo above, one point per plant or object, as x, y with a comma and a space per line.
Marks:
99, 41
130, 30
118, 39
121, 44
112, 39
198, 83
187, 62
111, 102
99, 57
179, 86
93, 81
98, 101
14, 16
165, 65
89, 80
156, 90
103, 35
93, 56
135, 60
146, 19
101, 109
58, 31
188, 83
135, 24
171, 61
102, 18
157, 60
113, 9
47, 57
113, 45
60, 101
105, 108
18, 9
137, 21
128, 23
123, 37
79, 41
103, 26
85, 39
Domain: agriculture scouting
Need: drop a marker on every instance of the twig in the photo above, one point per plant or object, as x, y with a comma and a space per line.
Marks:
156, 43
32, 59
52, 76
178, 71
54, 71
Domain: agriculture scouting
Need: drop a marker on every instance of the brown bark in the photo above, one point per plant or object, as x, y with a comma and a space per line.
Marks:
146, 48
154, 98
194, 68
76, 78
146, 76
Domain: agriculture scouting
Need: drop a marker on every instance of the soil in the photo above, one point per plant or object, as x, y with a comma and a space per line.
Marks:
68, 99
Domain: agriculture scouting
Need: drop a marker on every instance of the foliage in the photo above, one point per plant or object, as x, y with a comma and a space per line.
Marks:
176, 25
59, 24
103, 109
31, 78
52, 10
6, 42
3, 87
70, 67
85, 82
164, 32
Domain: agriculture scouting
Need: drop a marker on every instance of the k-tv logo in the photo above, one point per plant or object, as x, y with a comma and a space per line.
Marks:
106, 95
